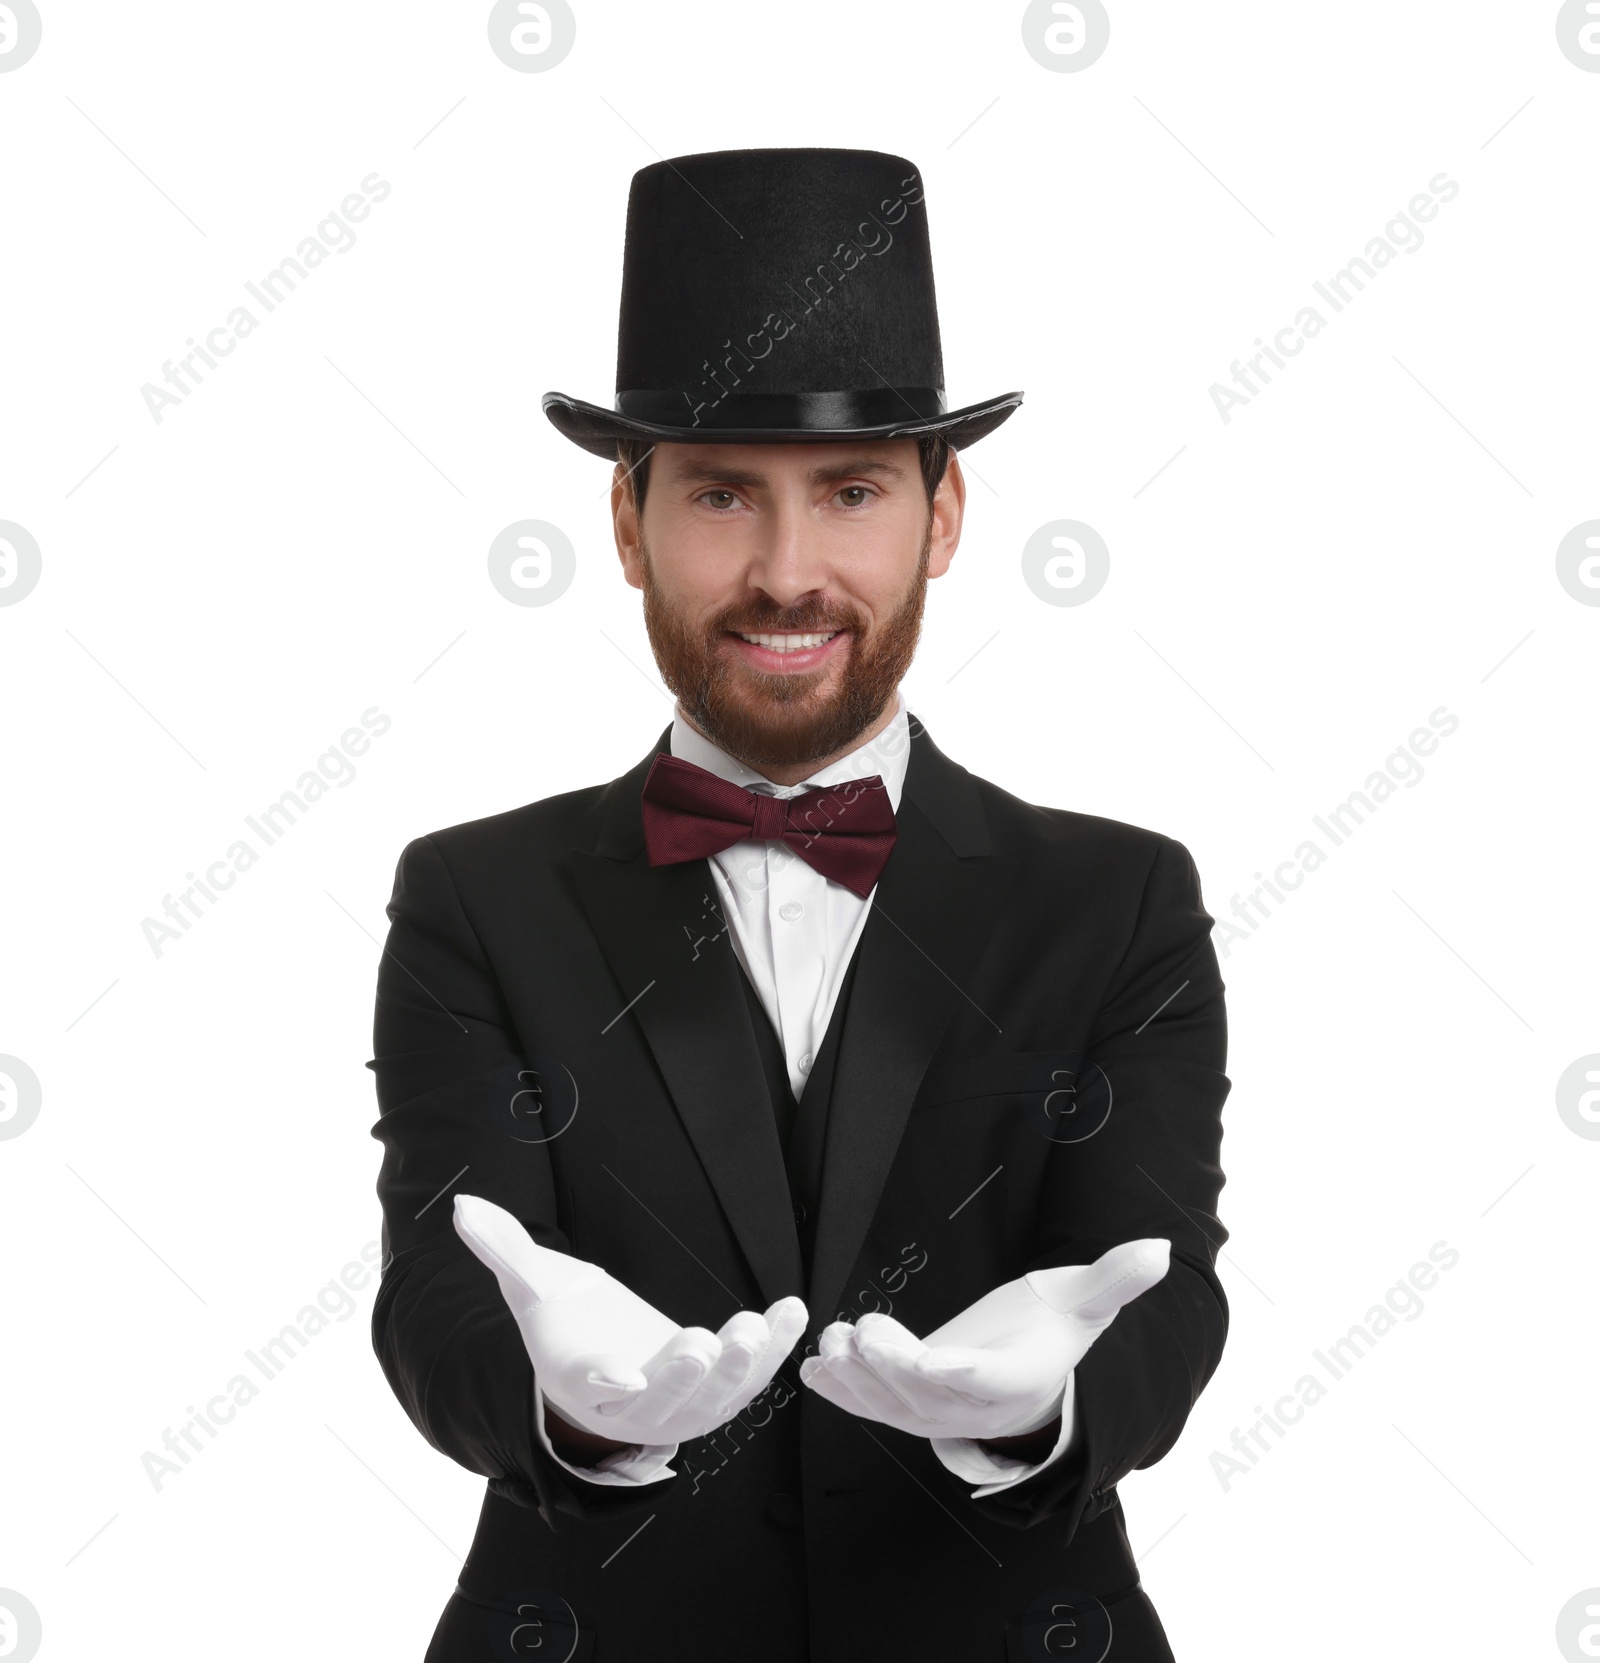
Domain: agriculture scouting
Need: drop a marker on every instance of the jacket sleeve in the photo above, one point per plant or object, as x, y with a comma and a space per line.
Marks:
1143, 1160
454, 1116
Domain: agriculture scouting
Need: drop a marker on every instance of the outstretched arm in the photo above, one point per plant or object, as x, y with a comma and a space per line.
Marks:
1152, 1169
450, 1078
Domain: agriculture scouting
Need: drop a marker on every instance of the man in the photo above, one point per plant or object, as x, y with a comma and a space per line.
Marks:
801, 1155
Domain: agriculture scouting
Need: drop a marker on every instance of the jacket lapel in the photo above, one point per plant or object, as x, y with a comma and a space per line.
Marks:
669, 949
933, 913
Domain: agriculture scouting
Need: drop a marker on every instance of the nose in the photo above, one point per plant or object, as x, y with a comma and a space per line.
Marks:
788, 562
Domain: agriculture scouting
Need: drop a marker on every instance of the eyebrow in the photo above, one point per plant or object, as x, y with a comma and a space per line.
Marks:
703, 473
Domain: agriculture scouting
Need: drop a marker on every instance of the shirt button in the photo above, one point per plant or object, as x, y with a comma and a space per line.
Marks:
805, 1063
790, 910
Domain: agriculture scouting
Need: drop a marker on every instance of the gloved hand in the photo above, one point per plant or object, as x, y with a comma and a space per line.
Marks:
611, 1363
999, 1368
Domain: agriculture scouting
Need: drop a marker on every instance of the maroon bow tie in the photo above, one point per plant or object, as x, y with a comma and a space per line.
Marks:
844, 831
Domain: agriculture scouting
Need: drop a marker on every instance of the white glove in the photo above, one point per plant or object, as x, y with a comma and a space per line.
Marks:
613, 1364
1000, 1368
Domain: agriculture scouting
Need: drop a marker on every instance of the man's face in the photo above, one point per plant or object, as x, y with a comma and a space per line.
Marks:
784, 583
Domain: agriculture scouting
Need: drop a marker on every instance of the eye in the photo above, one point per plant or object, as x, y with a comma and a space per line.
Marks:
854, 496
719, 499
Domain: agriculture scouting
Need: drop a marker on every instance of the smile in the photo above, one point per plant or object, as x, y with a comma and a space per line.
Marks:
788, 643
780, 653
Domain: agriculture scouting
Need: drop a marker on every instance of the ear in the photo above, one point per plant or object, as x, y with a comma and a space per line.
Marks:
625, 526
949, 507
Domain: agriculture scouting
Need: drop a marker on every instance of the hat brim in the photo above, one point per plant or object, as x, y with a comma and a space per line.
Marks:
597, 430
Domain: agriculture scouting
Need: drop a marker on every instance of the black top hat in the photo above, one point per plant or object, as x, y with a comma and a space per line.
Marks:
777, 294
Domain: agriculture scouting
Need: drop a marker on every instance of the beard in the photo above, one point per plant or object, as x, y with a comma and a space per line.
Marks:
783, 720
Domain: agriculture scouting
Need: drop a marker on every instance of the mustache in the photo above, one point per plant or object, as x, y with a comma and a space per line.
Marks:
813, 619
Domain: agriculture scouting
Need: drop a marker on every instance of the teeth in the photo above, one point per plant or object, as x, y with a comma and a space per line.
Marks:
789, 643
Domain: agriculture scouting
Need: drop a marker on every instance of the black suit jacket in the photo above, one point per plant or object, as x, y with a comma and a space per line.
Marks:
1029, 1072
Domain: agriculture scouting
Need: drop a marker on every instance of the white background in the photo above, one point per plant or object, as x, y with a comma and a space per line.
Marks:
225, 591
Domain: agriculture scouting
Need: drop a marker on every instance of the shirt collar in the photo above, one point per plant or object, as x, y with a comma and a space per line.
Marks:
885, 754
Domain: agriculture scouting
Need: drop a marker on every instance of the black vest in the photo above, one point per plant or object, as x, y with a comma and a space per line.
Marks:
803, 1125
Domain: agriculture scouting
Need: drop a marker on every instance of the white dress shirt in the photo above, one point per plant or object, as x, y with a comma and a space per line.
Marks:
794, 932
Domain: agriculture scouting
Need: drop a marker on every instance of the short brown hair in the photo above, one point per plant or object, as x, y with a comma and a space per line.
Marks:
933, 451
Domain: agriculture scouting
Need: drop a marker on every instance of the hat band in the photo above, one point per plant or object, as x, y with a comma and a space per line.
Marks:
803, 412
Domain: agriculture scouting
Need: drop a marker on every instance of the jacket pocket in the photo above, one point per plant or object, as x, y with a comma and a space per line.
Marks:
998, 1074
531, 1622
1072, 1623
1070, 1099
